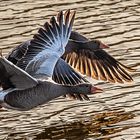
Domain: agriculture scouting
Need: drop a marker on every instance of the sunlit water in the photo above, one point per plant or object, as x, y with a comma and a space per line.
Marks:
115, 114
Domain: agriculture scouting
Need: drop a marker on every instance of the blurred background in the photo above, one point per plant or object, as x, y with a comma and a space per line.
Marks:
115, 114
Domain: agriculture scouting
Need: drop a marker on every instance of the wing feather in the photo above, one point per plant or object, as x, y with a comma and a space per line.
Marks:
48, 43
98, 64
14, 76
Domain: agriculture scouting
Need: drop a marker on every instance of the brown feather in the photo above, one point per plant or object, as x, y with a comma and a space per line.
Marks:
74, 60
130, 69
107, 72
101, 73
114, 73
81, 65
123, 75
77, 67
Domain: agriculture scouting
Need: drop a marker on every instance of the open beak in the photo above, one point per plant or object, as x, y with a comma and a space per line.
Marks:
95, 90
103, 46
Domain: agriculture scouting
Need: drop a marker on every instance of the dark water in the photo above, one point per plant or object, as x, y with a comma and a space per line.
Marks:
115, 114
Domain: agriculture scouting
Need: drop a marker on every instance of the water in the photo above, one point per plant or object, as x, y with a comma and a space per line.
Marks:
115, 114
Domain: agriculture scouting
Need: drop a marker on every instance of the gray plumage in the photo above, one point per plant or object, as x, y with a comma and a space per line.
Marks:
25, 92
37, 92
43, 92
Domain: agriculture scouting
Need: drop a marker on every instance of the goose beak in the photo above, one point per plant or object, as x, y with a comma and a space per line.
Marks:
95, 90
103, 46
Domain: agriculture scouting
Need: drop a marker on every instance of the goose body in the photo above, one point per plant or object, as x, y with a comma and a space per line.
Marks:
34, 92
43, 92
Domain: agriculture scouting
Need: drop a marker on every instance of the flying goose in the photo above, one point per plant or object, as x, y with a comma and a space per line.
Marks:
24, 92
85, 56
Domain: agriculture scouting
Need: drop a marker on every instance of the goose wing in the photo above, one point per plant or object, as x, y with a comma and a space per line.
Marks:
89, 59
78, 37
14, 77
65, 74
48, 45
18, 52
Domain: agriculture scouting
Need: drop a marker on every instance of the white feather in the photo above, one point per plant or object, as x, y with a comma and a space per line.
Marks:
45, 61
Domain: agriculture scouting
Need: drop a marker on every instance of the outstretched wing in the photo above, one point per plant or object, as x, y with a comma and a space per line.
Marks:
88, 57
98, 64
13, 77
48, 45
63, 72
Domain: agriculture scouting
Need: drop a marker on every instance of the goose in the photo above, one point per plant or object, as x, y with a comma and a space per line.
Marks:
84, 56
21, 91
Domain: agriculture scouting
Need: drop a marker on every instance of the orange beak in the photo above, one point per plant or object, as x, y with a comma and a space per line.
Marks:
103, 46
95, 90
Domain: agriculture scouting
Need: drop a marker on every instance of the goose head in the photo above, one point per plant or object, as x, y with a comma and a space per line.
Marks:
87, 89
96, 44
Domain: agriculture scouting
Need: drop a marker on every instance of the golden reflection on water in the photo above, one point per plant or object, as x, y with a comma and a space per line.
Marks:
98, 125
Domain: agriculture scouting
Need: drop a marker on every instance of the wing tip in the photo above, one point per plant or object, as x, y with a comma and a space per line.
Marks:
128, 68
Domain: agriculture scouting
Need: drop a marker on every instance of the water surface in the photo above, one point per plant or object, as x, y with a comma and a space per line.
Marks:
115, 114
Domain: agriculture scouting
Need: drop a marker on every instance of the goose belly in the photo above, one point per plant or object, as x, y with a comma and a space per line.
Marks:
3, 93
27, 99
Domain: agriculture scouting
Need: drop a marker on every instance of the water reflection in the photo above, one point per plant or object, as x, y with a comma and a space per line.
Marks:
96, 126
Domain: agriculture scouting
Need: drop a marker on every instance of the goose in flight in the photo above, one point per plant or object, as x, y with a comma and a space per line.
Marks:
85, 56
22, 91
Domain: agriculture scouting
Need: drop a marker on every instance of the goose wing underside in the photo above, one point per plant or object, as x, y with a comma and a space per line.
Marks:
65, 74
19, 51
49, 43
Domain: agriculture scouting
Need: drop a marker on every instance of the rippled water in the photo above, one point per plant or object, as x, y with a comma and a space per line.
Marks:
115, 114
